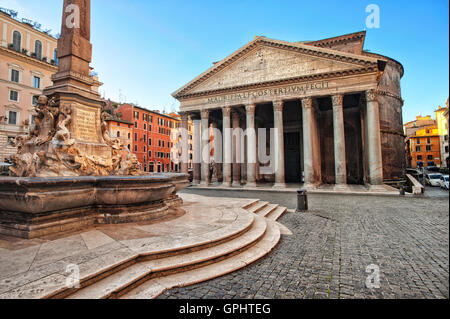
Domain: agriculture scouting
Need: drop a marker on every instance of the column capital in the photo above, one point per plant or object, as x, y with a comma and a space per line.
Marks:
250, 108
307, 102
278, 105
372, 95
338, 100
184, 115
226, 110
205, 114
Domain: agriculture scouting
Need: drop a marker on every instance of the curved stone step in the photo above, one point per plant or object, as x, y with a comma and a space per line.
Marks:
121, 281
154, 287
257, 207
105, 266
267, 210
277, 213
252, 203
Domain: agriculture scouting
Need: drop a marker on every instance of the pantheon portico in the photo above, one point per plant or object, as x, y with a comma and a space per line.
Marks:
335, 111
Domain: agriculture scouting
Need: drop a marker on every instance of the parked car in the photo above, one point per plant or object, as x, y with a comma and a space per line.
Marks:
433, 169
444, 182
433, 179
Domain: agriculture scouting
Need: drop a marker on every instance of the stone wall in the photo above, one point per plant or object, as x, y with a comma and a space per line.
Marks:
391, 122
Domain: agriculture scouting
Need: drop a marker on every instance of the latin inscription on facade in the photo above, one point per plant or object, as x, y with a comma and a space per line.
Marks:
282, 91
86, 125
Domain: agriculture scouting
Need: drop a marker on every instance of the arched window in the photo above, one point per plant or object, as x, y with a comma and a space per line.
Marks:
17, 41
55, 57
38, 49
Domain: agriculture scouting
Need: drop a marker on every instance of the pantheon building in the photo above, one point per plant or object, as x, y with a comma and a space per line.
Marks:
336, 110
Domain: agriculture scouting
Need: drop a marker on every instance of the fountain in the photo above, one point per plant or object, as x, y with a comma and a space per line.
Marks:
68, 172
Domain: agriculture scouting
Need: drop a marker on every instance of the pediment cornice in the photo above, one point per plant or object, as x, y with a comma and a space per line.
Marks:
361, 63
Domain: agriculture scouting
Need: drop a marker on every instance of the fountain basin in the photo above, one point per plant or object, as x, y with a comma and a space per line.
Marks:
35, 207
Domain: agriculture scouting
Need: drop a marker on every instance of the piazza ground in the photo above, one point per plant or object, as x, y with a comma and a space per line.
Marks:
333, 243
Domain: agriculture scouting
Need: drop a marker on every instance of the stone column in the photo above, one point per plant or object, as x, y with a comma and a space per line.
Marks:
340, 162
251, 145
237, 156
308, 141
197, 149
184, 142
227, 152
214, 179
279, 144
374, 138
205, 150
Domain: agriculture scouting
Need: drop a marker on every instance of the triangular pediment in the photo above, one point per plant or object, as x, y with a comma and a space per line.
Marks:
264, 60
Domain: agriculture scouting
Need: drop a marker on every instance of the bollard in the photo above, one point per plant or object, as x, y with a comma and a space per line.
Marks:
302, 200
402, 190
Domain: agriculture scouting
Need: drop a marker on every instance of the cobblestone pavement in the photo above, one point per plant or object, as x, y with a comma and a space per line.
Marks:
332, 244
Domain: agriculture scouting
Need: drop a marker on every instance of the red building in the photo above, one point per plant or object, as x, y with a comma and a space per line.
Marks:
151, 136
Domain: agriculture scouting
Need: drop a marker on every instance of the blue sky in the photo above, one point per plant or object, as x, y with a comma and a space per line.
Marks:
144, 50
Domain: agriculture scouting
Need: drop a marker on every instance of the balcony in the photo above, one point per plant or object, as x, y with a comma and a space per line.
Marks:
32, 55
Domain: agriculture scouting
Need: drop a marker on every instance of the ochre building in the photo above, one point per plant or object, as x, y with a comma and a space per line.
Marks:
336, 108
151, 136
27, 62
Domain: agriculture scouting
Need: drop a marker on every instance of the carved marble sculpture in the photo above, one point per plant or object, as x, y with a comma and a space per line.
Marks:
50, 150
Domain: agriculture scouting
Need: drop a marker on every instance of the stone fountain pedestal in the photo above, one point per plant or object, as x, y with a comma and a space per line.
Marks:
36, 207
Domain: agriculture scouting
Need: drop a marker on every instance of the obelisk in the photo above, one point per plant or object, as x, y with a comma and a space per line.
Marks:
73, 85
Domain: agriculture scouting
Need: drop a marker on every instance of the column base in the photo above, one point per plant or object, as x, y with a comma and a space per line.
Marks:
341, 187
226, 184
309, 186
195, 182
205, 184
250, 185
279, 185
236, 184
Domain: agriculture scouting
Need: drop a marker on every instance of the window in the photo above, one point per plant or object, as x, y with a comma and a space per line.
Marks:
15, 76
135, 148
428, 140
417, 148
55, 57
428, 147
149, 128
135, 137
36, 82
13, 96
150, 141
118, 133
129, 135
135, 124
430, 157
419, 157
145, 149
446, 149
38, 49
149, 154
145, 126
129, 147
145, 138
17, 41
12, 118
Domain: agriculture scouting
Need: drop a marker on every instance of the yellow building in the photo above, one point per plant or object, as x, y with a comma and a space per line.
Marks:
425, 147
442, 123
27, 62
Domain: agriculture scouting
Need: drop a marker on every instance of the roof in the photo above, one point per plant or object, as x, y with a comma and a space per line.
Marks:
305, 48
